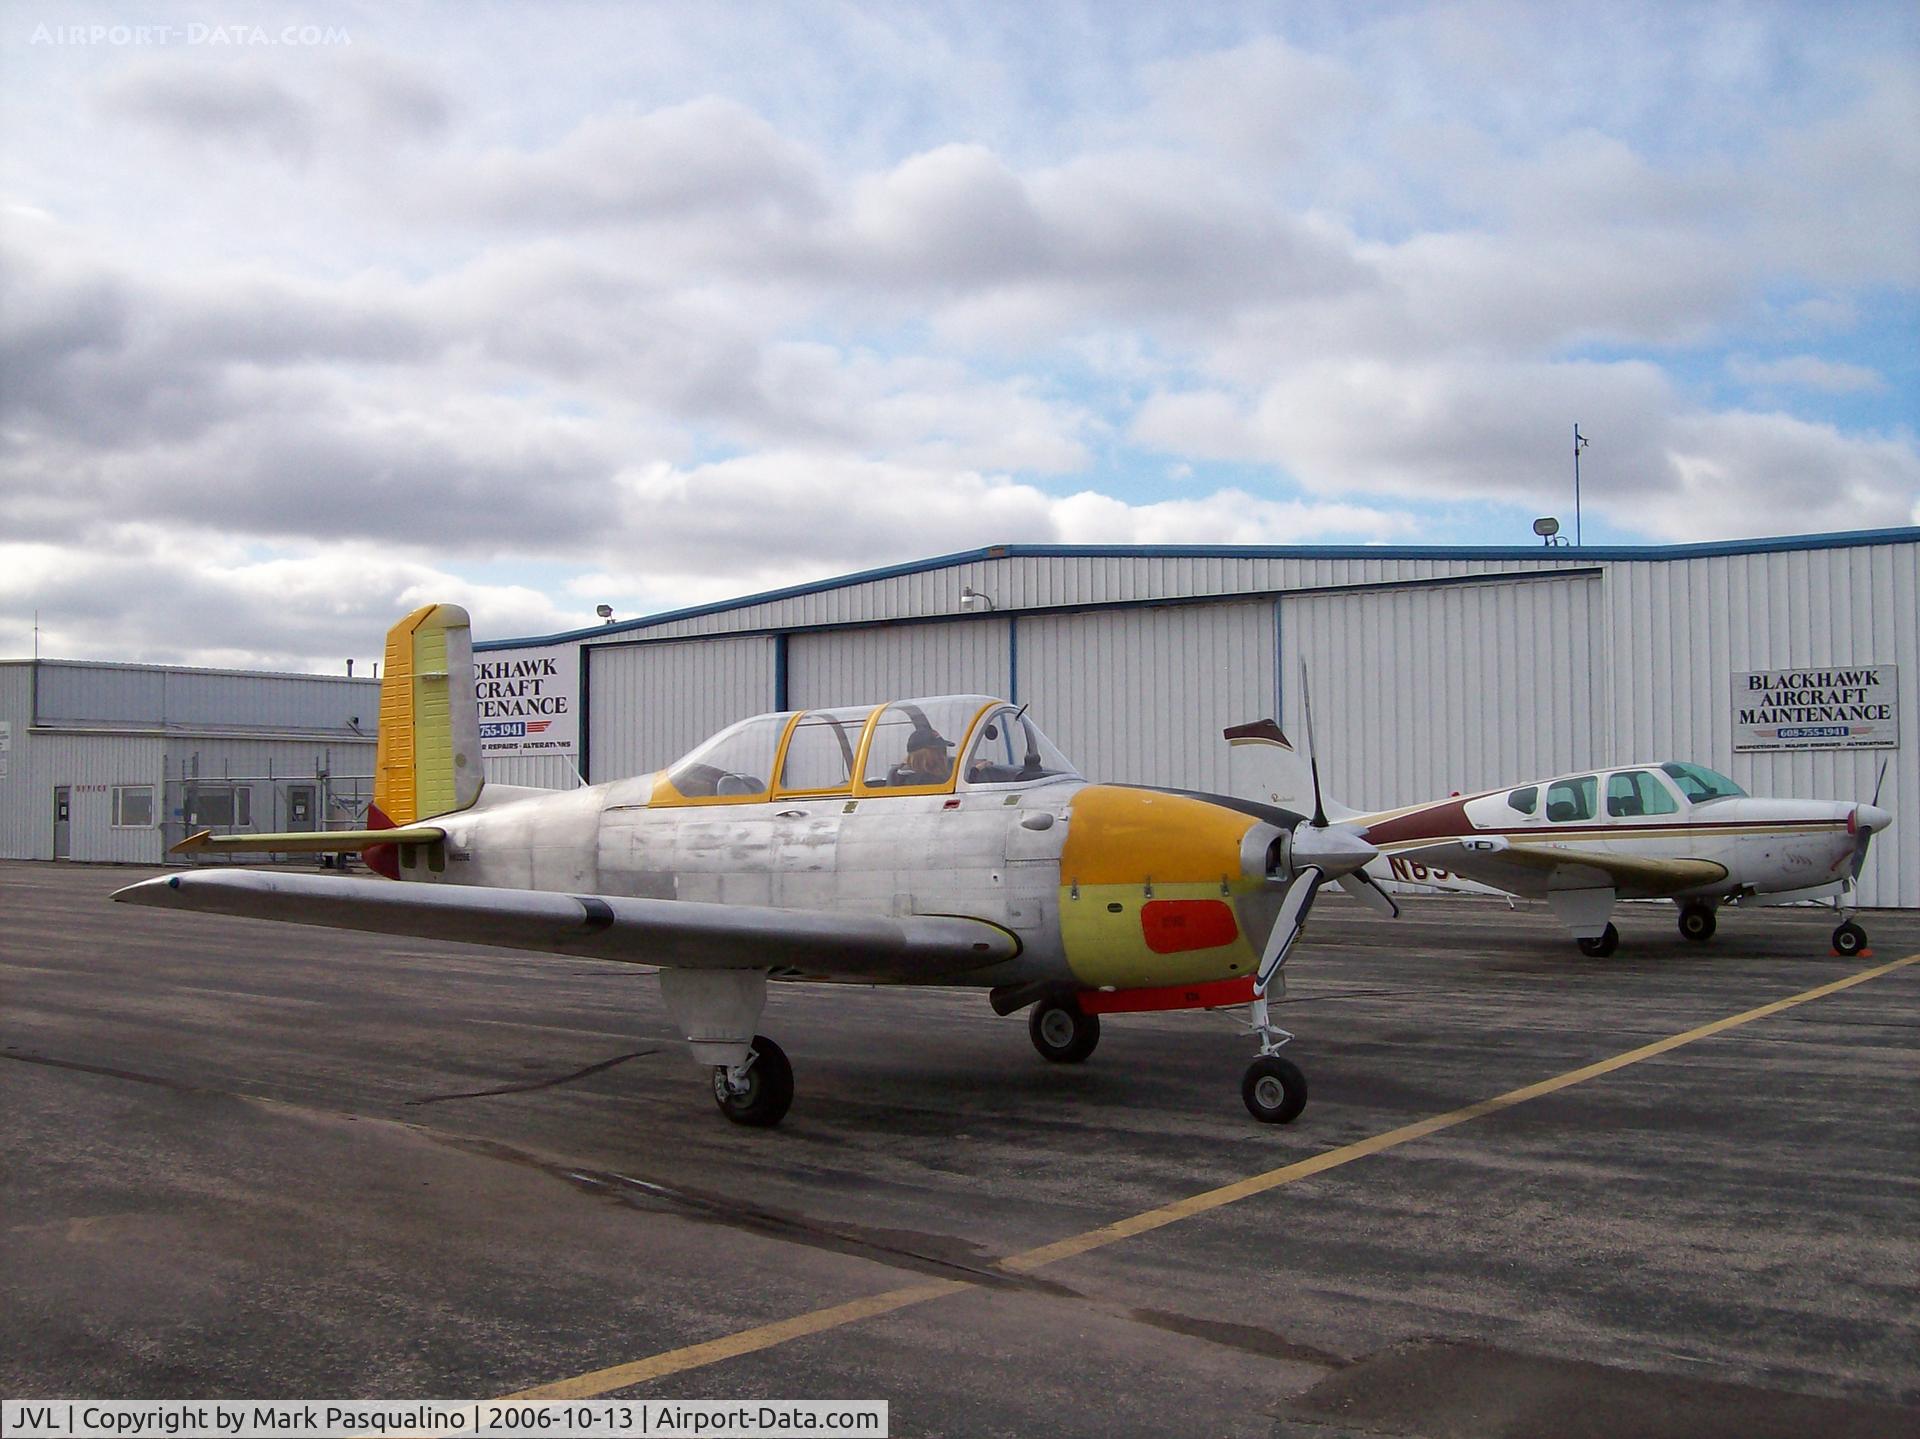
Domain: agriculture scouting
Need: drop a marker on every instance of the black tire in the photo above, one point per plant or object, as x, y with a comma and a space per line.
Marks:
1605, 945
1698, 922
769, 1092
1062, 1031
1849, 939
1274, 1089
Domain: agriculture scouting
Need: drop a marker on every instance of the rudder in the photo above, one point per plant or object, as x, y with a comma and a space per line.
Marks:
427, 761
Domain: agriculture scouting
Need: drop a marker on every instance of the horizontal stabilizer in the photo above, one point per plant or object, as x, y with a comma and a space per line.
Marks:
332, 841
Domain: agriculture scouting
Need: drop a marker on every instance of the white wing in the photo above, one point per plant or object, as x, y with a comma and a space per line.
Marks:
644, 931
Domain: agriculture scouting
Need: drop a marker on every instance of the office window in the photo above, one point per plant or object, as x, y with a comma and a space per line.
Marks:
133, 806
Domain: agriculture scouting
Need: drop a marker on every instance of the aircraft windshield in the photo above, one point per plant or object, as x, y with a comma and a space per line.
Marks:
1011, 749
1697, 782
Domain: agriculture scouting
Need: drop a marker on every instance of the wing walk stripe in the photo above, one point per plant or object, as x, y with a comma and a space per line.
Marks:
767, 1336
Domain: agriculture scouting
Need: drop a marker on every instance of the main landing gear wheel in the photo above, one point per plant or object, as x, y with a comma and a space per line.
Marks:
1698, 922
760, 1095
1849, 939
1275, 1090
1605, 945
1062, 1031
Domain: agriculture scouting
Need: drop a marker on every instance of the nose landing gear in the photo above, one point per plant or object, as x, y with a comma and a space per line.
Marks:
1274, 1088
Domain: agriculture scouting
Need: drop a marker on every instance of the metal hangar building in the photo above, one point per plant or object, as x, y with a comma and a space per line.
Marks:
1433, 670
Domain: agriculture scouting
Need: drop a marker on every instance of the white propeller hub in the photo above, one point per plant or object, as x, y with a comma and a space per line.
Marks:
1333, 850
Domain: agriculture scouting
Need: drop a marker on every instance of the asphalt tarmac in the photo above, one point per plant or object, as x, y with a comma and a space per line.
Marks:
240, 1159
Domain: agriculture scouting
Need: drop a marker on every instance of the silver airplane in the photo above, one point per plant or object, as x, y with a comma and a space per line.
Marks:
1656, 830
938, 841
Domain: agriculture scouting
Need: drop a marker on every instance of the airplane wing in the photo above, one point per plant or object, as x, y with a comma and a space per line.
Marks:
688, 933
328, 841
1536, 869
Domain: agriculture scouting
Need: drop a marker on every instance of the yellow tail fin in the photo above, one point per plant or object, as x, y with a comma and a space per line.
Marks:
428, 760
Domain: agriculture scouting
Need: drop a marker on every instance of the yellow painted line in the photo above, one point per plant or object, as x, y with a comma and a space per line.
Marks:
766, 1336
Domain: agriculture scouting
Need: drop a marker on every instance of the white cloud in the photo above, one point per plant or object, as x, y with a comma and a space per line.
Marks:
1809, 372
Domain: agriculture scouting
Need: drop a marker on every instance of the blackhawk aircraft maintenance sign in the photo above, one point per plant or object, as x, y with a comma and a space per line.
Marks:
529, 701
1850, 708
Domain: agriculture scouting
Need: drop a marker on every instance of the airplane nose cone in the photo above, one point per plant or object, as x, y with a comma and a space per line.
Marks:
1335, 850
1871, 819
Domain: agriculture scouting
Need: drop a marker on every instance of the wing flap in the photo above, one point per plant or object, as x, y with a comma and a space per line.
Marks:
689, 933
1534, 869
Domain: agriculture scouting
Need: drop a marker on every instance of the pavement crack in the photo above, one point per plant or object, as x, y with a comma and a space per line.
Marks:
935, 1254
179, 1086
529, 1087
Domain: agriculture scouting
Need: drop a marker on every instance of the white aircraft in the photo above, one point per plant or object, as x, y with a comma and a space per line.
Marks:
839, 844
1668, 830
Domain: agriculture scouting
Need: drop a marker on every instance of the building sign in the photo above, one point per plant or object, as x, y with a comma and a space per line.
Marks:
529, 701
1855, 708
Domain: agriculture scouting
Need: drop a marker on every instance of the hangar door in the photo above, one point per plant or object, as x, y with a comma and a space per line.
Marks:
649, 704
857, 666
1141, 695
1427, 689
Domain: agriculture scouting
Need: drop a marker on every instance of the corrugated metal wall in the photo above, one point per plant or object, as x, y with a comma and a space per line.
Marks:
1141, 695
649, 704
1683, 628
141, 696
1421, 691
898, 662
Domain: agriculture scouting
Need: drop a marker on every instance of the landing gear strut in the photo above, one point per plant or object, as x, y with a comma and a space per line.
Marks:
1273, 1088
758, 1092
1605, 945
1849, 939
1697, 922
1062, 1031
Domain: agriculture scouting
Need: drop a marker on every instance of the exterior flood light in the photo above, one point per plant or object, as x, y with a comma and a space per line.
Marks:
972, 599
605, 612
1547, 527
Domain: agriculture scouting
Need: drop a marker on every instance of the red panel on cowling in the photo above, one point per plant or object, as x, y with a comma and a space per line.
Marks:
1174, 926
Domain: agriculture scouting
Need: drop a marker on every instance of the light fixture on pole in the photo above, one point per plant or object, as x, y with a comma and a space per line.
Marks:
1548, 528
605, 612
1579, 444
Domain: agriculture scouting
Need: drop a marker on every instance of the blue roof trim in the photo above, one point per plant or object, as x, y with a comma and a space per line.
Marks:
1840, 540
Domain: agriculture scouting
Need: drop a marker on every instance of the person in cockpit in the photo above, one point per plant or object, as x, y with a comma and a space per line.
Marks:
927, 759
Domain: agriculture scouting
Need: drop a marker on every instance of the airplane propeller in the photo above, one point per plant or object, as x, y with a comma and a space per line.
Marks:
1317, 852
1863, 833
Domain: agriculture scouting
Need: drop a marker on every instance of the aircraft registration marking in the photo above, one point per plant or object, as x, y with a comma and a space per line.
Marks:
767, 1336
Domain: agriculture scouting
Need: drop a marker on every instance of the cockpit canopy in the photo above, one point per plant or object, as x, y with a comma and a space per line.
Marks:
916, 746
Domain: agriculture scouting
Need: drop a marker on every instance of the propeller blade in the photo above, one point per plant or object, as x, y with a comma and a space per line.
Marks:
1875, 801
1361, 886
1287, 925
1313, 754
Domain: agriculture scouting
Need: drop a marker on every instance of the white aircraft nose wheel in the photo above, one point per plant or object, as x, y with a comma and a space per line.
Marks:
1849, 939
1697, 922
1062, 1031
1605, 945
1275, 1090
759, 1093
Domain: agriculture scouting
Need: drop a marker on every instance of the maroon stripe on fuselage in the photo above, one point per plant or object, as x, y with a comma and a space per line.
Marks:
1449, 821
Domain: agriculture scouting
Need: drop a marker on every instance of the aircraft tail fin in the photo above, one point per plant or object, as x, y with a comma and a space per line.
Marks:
1263, 765
428, 759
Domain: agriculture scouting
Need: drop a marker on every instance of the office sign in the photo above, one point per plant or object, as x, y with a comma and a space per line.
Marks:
1841, 707
529, 701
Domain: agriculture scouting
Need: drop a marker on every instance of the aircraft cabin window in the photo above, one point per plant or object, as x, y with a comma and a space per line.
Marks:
1525, 800
820, 751
913, 743
734, 764
1697, 782
1571, 800
1634, 792
1009, 749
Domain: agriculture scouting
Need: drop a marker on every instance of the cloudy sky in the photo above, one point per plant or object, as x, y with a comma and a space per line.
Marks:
311, 317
